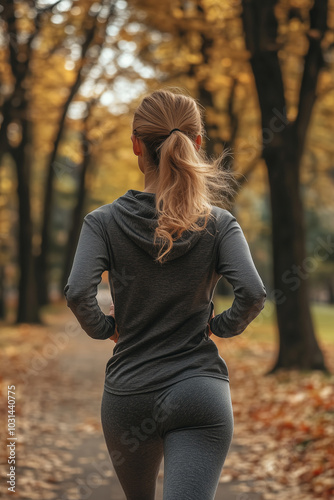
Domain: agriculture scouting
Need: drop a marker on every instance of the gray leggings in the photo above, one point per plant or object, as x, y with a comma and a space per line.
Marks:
189, 423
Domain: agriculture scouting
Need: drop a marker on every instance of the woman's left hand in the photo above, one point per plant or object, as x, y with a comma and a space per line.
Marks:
116, 334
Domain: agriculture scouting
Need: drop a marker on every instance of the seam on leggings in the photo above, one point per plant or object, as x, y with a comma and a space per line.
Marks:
194, 427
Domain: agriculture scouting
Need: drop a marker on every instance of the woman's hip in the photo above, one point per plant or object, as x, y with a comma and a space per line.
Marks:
199, 401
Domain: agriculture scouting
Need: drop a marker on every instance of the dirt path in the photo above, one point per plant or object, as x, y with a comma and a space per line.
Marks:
61, 449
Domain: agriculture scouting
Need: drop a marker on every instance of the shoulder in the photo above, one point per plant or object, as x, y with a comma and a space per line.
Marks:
101, 214
98, 219
223, 217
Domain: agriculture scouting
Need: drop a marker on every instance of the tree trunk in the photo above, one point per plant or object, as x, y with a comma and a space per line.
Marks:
15, 108
28, 308
282, 150
298, 345
74, 232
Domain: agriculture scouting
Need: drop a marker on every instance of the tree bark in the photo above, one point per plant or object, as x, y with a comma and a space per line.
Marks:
28, 308
283, 144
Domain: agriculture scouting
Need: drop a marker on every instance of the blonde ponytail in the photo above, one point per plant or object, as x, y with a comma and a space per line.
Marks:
187, 182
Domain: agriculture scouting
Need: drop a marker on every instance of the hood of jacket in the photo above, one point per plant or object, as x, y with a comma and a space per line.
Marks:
136, 215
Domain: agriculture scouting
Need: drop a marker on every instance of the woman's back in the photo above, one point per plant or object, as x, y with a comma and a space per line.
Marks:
161, 310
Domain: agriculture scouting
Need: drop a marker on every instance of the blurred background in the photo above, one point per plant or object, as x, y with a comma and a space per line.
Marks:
71, 74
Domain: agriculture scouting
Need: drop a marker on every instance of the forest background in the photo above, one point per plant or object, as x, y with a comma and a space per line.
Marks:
72, 73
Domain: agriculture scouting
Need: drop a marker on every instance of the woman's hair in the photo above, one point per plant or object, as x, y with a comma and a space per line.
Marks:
187, 182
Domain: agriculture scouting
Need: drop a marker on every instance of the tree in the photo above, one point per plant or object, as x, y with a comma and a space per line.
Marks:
15, 117
298, 347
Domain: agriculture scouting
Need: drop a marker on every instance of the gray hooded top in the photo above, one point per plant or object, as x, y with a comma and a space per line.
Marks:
161, 310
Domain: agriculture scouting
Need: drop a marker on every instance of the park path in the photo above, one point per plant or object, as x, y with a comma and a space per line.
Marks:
65, 456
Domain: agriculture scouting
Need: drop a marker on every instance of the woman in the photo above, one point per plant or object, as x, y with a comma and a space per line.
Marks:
166, 391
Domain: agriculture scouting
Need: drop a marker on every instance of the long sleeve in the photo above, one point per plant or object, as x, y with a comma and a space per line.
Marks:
235, 263
90, 261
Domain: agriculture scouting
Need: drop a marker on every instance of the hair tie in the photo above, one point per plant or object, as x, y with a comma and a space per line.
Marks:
174, 130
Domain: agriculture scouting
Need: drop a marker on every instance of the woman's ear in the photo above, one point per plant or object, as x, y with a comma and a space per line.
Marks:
137, 147
198, 142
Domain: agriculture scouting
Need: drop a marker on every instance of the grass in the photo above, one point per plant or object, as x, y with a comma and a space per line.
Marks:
323, 316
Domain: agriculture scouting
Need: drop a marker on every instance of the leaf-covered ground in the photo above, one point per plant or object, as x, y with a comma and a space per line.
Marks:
284, 423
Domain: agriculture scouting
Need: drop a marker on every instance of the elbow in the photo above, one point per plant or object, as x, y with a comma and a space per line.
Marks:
261, 294
259, 299
72, 296
256, 296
